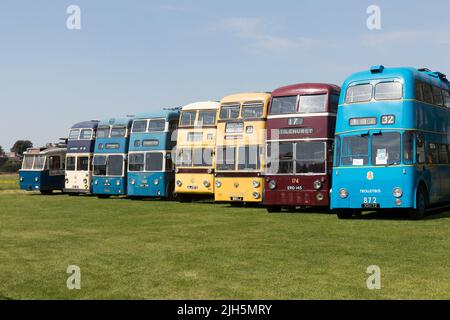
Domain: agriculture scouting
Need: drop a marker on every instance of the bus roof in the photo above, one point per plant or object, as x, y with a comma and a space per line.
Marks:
305, 88
45, 151
168, 114
201, 105
247, 96
92, 124
405, 73
116, 121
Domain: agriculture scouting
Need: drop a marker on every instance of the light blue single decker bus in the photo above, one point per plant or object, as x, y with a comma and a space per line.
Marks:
110, 156
151, 172
392, 147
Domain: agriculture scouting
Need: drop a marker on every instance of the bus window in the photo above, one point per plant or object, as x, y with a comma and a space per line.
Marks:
359, 93
420, 148
388, 91
229, 111
70, 163
184, 157
54, 162
226, 158
139, 126
337, 147
443, 154
118, 131
202, 157
432, 154
156, 125
285, 158
136, 162
427, 93
187, 118
206, 118
83, 164
418, 90
446, 98
114, 165
313, 103
252, 110
248, 158
39, 163
86, 134
169, 164
310, 157
437, 96
73, 134
153, 161
408, 141
355, 150
103, 131
27, 163
386, 148
100, 165
283, 105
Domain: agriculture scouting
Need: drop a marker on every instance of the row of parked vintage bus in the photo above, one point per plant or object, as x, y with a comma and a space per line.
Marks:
380, 143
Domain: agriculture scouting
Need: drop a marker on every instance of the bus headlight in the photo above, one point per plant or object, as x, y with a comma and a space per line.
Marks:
179, 183
36, 179
272, 184
118, 183
85, 181
343, 193
255, 183
133, 181
96, 182
206, 183
317, 184
21, 179
397, 192
255, 195
218, 184
319, 196
155, 182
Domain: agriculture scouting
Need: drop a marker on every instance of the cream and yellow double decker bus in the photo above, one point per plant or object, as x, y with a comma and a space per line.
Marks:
196, 141
240, 150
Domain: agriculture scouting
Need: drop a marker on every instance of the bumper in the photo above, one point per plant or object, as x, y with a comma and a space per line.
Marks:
237, 189
194, 183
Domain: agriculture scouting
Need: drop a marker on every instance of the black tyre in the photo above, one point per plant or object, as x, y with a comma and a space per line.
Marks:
273, 209
421, 204
344, 213
103, 196
46, 192
184, 199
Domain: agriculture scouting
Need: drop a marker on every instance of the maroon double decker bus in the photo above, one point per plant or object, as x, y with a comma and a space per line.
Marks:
300, 136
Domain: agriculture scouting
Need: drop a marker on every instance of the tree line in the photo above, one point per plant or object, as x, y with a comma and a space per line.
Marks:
14, 164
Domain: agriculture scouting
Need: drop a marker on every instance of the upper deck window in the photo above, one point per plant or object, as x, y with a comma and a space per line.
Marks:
86, 134
188, 118
446, 98
139, 126
103, 131
437, 96
156, 125
359, 93
388, 90
206, 118
74, 133
313, 103
118, 131
252, 110
283, 105
230, 111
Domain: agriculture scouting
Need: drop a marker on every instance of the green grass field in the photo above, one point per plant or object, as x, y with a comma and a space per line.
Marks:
9, 182
157, 250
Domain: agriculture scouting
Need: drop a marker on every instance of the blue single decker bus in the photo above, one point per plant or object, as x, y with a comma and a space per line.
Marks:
110, 156
150, 168
392, 142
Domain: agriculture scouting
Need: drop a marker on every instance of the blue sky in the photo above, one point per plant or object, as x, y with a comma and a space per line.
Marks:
135, 55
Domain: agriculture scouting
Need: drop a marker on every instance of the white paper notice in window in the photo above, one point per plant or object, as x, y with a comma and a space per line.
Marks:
382, 156
358, 162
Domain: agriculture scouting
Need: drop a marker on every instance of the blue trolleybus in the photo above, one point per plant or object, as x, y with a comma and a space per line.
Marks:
80, 150
43, 169
150, 168
110, 154
392, 142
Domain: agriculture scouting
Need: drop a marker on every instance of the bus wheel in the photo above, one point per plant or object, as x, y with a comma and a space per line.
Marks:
73, 194
421, 201
236, 204
46, 192
344, 213
103, 196
184, 198
272, 209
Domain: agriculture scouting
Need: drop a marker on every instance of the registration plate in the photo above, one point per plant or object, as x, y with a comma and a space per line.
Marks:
237, 198
370, 205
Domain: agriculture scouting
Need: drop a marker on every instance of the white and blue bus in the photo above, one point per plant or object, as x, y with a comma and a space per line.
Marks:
392, 147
